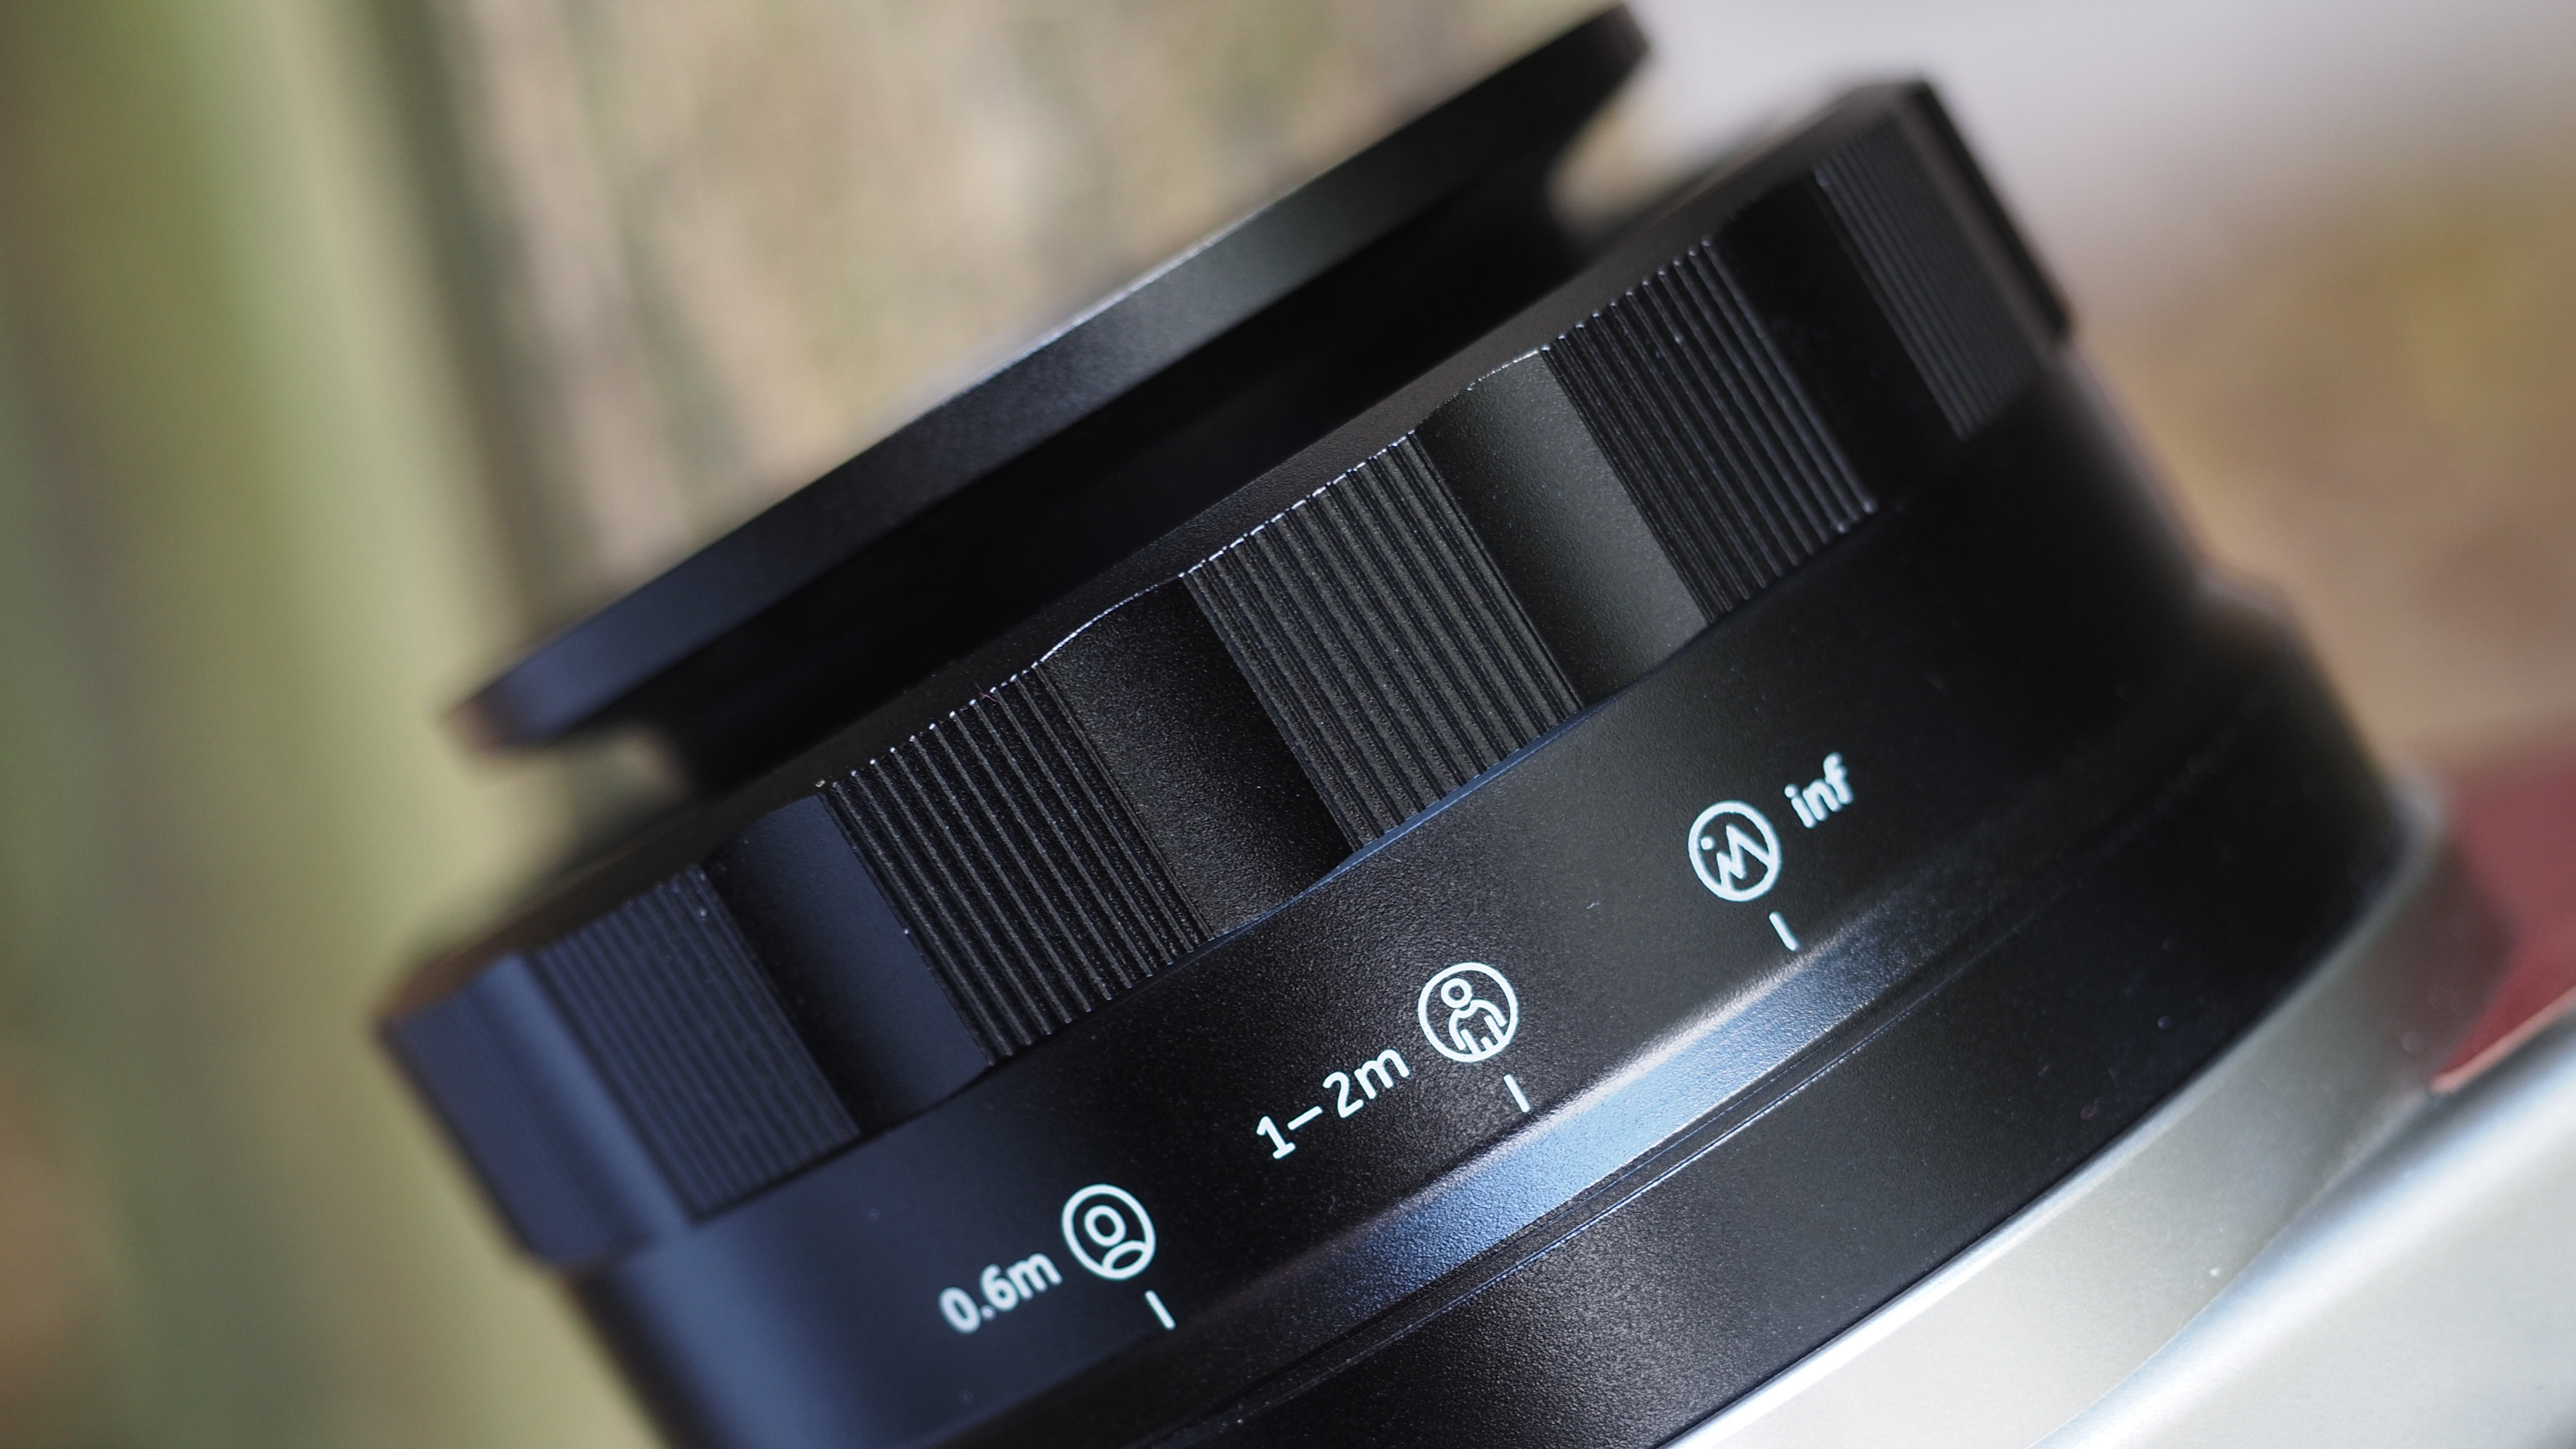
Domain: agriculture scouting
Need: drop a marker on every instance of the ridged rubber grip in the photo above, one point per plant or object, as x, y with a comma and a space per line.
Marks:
690, 1037
1382, 640
1024, 879
1971, 341
1726, 457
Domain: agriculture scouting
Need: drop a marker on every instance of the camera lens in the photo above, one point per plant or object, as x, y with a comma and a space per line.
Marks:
1407, 834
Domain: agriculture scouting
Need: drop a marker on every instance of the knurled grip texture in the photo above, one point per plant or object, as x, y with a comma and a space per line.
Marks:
1204, 751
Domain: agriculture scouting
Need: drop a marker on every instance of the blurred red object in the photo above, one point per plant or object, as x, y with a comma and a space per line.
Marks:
2516, 827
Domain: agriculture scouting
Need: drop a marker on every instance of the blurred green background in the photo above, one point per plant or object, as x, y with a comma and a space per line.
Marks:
345, 345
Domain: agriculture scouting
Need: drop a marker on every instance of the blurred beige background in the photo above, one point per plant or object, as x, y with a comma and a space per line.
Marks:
345, 344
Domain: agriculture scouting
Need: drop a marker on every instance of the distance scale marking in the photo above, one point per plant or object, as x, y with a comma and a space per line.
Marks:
1109, 1233
1721, 847
1738, 856
1482, 1012
1468, 1013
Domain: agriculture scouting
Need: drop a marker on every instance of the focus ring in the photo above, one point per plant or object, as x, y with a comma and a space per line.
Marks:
1199, 754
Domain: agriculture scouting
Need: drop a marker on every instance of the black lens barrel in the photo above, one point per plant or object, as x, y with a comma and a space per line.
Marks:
1607, 867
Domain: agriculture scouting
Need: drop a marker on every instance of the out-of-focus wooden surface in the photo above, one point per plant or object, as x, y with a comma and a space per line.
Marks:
2377, 416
